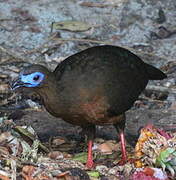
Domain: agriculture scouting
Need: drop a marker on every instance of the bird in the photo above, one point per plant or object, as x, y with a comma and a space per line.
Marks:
95, 86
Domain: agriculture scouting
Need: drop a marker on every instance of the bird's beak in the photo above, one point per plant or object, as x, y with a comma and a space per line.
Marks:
16, 84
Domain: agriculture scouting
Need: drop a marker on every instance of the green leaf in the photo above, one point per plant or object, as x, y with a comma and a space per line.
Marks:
163, 156
82, 157
95, 174
75, 26
167, 160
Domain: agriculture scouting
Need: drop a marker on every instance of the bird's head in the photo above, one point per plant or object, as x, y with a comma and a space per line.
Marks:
34, 76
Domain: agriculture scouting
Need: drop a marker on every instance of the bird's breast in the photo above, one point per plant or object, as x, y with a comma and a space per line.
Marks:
92, 111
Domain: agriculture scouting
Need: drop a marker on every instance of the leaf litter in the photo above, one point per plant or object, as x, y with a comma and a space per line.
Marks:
22, 155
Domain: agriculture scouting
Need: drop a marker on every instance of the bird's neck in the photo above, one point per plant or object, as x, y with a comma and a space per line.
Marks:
50, 97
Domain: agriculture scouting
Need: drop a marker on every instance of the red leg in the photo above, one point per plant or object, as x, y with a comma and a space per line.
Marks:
120, 126
123, 147
90, 162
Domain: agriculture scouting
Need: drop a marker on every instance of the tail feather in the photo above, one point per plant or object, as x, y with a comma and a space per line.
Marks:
154, 73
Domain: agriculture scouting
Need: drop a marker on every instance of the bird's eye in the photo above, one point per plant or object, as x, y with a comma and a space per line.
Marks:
36, 78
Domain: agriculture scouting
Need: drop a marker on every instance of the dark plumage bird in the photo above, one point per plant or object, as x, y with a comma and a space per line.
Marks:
93, 87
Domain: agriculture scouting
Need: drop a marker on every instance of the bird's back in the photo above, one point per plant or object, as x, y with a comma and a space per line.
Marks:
108, 78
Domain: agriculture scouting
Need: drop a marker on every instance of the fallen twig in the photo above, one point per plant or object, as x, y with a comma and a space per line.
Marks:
99, 5
83, 40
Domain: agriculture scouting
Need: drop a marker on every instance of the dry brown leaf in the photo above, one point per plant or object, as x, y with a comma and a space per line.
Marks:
58, 141
2, 177
55, 155
63, 174
42, 177
4, 136
3, 76
4, 151
27, 172
108, 147
105, 148
4, 88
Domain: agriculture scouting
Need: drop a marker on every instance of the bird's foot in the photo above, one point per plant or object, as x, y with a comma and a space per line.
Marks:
126, 160
122, 162
90, 164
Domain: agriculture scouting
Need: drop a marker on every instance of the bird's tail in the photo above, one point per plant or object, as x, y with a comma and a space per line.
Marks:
154, 73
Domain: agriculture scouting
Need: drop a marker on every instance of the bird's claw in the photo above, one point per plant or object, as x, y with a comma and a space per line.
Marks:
90, 164
124, 161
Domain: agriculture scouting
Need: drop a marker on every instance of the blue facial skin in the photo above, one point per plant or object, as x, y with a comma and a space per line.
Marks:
32, 80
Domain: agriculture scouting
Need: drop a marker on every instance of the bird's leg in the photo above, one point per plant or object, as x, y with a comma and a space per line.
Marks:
90, 133
123, 146
90, 163
120, 129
